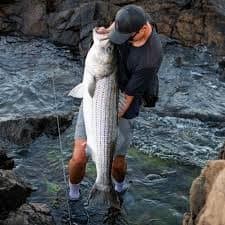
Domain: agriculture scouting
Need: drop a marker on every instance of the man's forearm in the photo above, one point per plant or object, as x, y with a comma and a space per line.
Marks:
126, 105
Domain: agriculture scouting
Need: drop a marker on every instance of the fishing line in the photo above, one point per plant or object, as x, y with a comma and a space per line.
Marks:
60, 147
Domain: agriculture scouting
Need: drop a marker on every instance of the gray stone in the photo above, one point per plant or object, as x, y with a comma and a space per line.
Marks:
191, 22
6, 163
25, 130
33, 213
13, 191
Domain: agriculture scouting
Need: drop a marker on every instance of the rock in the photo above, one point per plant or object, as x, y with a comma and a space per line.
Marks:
35, 212
25, 130
13, 191
191, 22
74, 26
207, 197
213, 211
187, 219
151, 177
34, 18
5, 162
180, 75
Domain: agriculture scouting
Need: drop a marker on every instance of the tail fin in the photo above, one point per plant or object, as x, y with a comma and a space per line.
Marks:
105, 196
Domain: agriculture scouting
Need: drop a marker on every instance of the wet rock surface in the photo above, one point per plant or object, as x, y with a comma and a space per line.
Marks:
25, 130
6, 163
70, 22
190, 85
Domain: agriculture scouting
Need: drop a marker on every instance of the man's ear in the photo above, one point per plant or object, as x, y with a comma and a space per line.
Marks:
145, 27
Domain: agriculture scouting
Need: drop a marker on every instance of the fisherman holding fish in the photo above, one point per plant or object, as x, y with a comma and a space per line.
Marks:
139, 55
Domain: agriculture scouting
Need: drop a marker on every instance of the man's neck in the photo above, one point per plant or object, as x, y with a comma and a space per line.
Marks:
145, 37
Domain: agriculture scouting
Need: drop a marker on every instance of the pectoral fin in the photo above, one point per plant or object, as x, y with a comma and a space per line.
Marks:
77, 91
91, 87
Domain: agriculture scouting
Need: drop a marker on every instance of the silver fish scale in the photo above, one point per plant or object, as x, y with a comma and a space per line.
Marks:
105, 114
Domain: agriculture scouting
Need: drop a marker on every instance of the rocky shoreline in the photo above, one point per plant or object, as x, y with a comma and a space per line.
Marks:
13, 194
68, 22
191, 88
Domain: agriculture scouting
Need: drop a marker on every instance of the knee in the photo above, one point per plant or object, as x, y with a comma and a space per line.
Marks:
79, 157
119, 164
78, 161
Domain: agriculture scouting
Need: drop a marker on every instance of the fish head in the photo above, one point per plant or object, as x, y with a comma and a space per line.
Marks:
104, 48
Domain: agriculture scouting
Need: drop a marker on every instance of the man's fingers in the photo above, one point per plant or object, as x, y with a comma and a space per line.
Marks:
101, 30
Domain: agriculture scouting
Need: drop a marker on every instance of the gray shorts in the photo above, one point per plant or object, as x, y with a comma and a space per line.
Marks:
124, 132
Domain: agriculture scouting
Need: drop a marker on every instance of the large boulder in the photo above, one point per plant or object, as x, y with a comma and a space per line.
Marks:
74, 26
191, 22
70, 22
13, 192
33, 213
207, 196
25, 130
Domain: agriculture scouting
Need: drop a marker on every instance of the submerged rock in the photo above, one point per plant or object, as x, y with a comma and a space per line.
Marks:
207, 196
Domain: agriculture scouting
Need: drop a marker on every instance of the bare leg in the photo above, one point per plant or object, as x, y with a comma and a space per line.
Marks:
77, 163
119, 168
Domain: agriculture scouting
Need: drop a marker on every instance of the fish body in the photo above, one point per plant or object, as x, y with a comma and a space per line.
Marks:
100, 103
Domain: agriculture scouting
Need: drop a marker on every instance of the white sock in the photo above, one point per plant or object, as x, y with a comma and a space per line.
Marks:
74, 192
119, 186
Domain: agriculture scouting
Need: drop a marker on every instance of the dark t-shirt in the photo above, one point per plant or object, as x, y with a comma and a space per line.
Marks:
138, 67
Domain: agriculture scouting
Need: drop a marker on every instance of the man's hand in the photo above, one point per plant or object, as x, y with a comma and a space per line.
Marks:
103, 30
126, 104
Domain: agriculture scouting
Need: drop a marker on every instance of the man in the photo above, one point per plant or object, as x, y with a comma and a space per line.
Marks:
140, 56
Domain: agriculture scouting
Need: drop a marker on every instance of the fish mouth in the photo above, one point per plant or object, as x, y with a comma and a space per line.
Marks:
101, 34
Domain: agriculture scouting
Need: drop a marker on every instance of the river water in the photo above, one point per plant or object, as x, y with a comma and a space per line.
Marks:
166, 154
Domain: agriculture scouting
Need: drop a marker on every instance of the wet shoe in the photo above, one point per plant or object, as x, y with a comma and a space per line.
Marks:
74, 192
115, 216
122, 190
73, 197
78, 212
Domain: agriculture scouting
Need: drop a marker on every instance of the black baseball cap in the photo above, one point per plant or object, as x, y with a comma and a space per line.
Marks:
129, 19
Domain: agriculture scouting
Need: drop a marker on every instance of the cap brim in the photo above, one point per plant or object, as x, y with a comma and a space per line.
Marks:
118, 38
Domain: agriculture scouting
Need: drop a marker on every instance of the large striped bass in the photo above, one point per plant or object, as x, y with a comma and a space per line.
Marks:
100, 99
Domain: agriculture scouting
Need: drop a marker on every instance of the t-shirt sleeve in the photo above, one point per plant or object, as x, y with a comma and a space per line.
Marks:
138, 82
